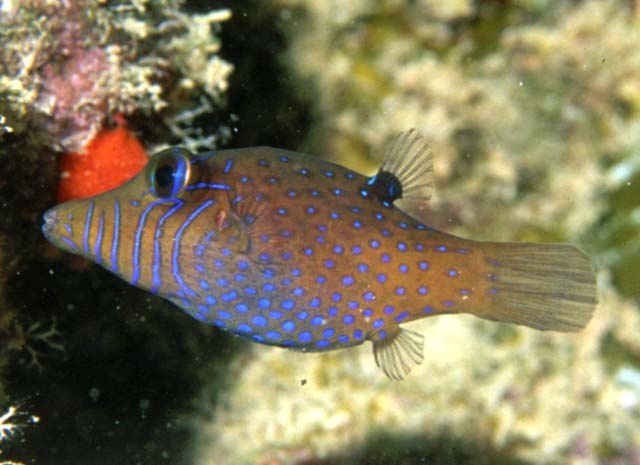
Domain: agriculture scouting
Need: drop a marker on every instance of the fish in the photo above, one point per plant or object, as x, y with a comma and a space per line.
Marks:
286, 249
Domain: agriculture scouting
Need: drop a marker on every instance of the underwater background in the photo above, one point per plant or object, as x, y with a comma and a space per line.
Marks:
532, 109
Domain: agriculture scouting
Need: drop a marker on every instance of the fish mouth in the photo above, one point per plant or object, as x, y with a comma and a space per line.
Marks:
50, 223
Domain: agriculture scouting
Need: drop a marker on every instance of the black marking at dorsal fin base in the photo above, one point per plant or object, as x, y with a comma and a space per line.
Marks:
406, 173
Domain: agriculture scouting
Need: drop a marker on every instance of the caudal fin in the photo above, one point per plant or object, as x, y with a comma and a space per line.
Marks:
544, 286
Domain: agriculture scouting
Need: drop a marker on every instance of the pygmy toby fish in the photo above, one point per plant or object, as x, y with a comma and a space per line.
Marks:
289, 250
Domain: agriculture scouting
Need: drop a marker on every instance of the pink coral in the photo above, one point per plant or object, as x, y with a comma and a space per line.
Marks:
73, 94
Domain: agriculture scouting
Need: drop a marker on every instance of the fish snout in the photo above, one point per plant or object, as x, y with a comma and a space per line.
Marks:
51, 221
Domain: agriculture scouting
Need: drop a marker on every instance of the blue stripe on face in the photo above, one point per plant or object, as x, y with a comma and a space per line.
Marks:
87, 228
206, 185
175, 267
98, 246
69, 242
155, 280
138, 238
228, 165
116, 236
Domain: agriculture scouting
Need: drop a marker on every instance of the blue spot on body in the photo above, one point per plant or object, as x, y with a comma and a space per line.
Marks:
287, 304
275, 314
259, 320
288, 325
347, 280
273, 334
245, 328
348, 319
264, 303
229, 296
378, 323
242, 307
401, 316
316, 320
328, 333
305, 336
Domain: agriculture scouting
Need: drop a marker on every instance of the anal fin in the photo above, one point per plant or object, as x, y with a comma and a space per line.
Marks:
398, 353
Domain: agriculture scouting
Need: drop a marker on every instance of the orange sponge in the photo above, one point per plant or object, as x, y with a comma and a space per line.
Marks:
113, 157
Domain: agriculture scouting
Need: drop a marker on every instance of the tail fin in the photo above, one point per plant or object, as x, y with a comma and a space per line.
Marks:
544, 286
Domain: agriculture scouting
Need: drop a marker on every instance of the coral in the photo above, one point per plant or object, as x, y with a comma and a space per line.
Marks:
66, 66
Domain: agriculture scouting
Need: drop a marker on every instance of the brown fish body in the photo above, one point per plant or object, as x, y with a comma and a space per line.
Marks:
293, 251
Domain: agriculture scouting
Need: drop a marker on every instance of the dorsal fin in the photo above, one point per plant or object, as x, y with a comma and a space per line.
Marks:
406, 173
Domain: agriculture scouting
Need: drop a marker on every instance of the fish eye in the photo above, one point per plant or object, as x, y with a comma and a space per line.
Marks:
169, 171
